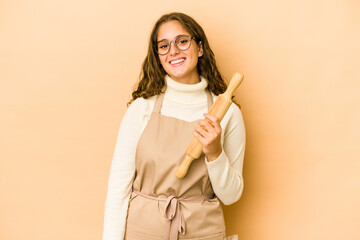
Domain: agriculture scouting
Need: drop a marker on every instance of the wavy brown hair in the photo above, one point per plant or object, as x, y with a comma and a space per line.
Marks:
151, 79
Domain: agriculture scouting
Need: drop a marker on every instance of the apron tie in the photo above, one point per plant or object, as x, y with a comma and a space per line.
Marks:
175, 221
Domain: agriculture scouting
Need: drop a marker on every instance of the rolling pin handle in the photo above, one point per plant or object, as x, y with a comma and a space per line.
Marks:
184, 166
234, 84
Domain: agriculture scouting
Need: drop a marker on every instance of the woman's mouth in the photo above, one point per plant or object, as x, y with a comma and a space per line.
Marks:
177, 62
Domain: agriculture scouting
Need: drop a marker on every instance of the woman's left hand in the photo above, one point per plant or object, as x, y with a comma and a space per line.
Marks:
208, 132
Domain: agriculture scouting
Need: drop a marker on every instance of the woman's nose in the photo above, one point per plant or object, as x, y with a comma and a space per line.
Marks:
173, 49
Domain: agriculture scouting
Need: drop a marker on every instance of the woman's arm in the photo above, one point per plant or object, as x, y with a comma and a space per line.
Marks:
122, 173
225, 172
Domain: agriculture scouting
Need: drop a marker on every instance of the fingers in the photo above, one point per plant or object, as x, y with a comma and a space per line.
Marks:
208, 132
214, 122
199, 137
208, 129
203, 131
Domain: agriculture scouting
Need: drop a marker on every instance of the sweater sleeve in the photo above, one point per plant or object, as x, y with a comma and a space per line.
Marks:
122, 173
225, 172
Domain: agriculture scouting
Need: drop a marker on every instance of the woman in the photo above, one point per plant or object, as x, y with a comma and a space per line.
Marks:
179, 82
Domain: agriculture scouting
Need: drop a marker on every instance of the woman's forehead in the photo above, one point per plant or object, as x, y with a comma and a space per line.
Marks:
170, 30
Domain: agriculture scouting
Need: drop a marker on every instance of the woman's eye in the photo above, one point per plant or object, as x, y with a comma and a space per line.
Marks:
163, 46
182, 40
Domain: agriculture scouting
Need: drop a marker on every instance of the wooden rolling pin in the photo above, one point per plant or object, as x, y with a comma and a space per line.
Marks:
218, 109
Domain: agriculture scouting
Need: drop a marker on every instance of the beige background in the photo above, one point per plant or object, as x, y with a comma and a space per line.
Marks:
67, 69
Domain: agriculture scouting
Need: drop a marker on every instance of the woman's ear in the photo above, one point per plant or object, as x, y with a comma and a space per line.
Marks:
200, 49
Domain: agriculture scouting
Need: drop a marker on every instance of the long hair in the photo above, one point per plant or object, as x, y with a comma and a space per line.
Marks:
151, 79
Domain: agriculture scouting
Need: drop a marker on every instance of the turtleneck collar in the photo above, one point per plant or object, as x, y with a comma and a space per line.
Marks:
186, 93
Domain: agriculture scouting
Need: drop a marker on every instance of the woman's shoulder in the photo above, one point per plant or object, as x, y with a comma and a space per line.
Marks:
141, 105
141, 102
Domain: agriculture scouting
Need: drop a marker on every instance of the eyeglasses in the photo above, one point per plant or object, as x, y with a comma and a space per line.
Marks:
181, 42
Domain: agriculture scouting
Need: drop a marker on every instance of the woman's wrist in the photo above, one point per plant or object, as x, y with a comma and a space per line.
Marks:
214, 156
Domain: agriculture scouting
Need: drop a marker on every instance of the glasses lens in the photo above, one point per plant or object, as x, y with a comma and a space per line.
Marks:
183, 42
163, 47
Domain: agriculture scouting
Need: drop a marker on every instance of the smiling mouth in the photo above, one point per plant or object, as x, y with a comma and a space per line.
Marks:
177, 61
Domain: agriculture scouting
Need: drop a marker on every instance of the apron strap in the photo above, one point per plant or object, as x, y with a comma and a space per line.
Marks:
158, 103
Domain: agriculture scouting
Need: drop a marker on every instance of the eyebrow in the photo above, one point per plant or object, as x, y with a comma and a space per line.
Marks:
175, 37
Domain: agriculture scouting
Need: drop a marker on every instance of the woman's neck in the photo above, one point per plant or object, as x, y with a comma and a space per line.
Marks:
189, 79
186, 93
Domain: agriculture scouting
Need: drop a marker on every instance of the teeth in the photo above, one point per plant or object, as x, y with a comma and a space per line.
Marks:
177, 61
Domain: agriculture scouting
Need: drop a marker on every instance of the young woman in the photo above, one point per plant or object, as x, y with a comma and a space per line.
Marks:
178, 84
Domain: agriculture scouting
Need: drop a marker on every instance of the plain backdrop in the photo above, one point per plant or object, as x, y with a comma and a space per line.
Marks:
67, 70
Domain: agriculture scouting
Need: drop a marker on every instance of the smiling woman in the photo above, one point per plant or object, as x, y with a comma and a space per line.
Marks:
179, 62
178, 84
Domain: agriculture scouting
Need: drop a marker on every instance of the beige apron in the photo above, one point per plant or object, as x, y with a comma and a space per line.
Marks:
161, 205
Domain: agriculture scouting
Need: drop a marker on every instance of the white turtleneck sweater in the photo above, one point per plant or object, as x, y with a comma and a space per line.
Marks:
187, 102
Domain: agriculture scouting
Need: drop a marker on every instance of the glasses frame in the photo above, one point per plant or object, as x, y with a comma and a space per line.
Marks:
173, 41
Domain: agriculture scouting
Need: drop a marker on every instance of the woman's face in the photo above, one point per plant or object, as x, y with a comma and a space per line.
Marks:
180, 65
